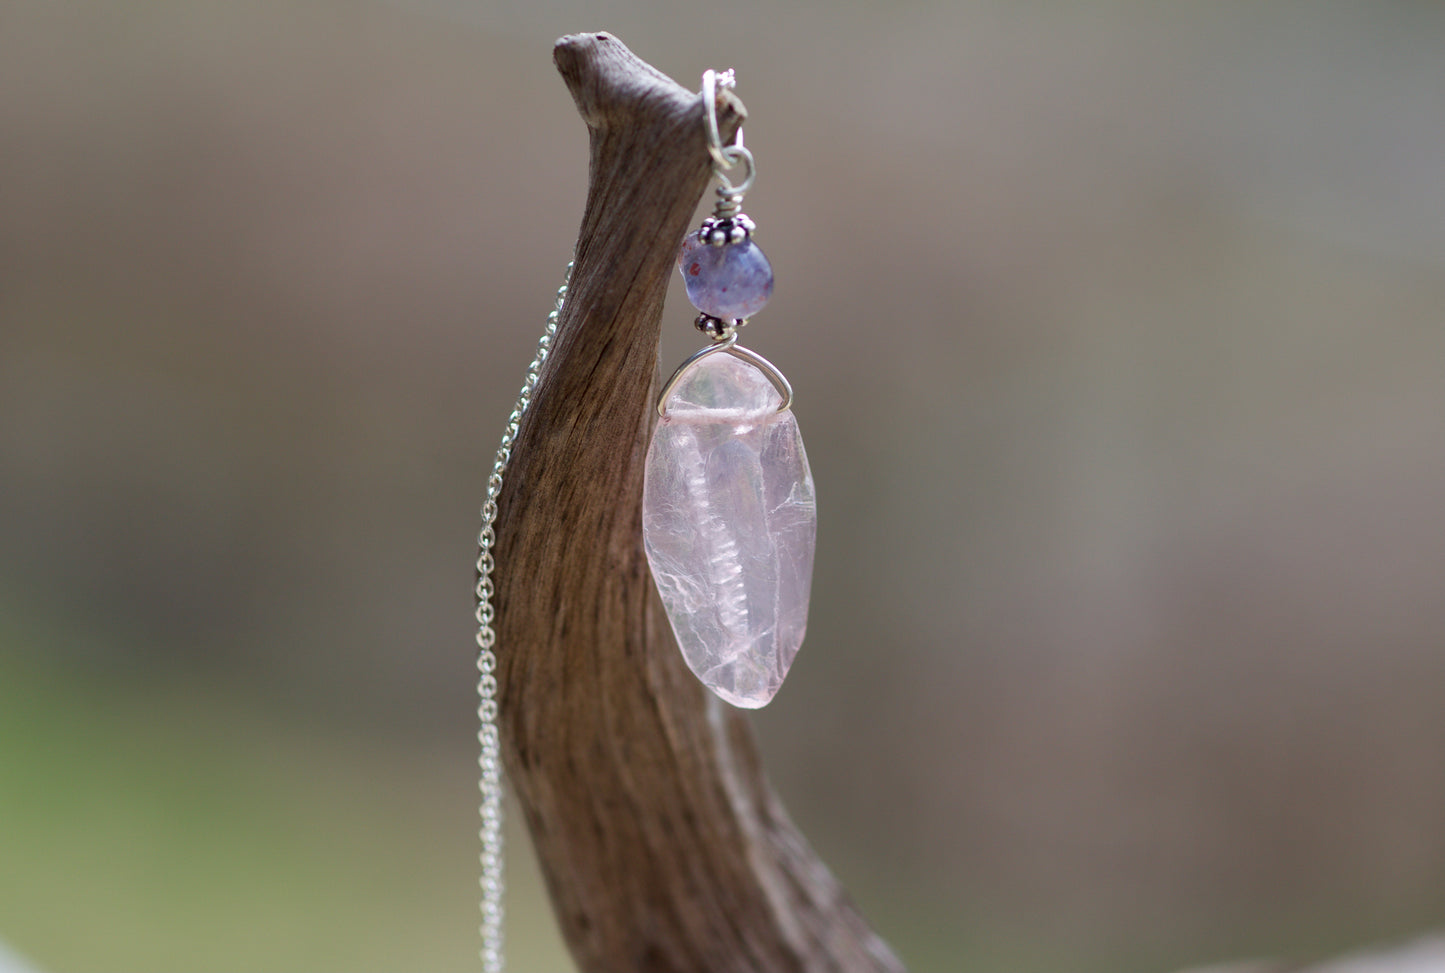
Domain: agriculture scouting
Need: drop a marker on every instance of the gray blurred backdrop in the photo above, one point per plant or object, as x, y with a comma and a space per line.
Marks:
1118, 338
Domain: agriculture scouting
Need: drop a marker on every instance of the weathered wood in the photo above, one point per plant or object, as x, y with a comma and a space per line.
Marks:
663, 846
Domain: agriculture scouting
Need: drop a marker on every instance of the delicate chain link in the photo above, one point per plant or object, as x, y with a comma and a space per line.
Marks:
490, 761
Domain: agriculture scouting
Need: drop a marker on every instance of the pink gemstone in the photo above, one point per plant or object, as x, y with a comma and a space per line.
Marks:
729, 522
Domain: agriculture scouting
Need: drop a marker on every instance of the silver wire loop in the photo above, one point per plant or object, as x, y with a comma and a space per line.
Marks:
711, 82
725, 157
730, 346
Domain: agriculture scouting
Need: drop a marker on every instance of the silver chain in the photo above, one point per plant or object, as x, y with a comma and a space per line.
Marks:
490, 761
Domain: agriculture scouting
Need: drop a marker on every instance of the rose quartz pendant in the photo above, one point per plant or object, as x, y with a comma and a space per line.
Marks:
729, 522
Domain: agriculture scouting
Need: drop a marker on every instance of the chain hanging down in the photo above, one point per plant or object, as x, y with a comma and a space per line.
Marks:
490, 761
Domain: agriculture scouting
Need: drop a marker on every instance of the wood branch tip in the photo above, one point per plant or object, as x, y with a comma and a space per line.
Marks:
606, 78
569, 49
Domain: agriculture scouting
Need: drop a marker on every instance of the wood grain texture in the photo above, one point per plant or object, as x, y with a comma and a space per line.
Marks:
663, 846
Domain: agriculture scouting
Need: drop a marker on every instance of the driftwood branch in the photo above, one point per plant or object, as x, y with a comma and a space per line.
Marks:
663, 846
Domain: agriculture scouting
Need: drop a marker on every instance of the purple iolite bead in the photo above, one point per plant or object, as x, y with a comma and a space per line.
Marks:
730, 282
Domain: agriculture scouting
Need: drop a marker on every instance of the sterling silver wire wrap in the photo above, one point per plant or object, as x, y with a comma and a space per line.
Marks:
724, 157
730, 198
729, 345
490, 760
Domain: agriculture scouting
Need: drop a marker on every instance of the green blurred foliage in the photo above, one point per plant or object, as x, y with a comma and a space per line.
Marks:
152, 823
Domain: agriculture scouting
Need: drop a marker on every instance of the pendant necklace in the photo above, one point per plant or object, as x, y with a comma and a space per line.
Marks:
729, 518
728, 511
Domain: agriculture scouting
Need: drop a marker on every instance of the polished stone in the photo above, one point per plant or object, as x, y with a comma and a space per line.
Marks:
731, 282
729, 521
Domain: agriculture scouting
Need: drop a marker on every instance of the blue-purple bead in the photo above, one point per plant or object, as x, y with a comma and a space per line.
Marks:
730, 282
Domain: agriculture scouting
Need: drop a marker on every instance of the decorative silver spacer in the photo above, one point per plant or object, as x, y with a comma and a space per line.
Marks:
721, 229
718, 329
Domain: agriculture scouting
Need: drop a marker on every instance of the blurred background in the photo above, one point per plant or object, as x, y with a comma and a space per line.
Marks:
1118, 331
